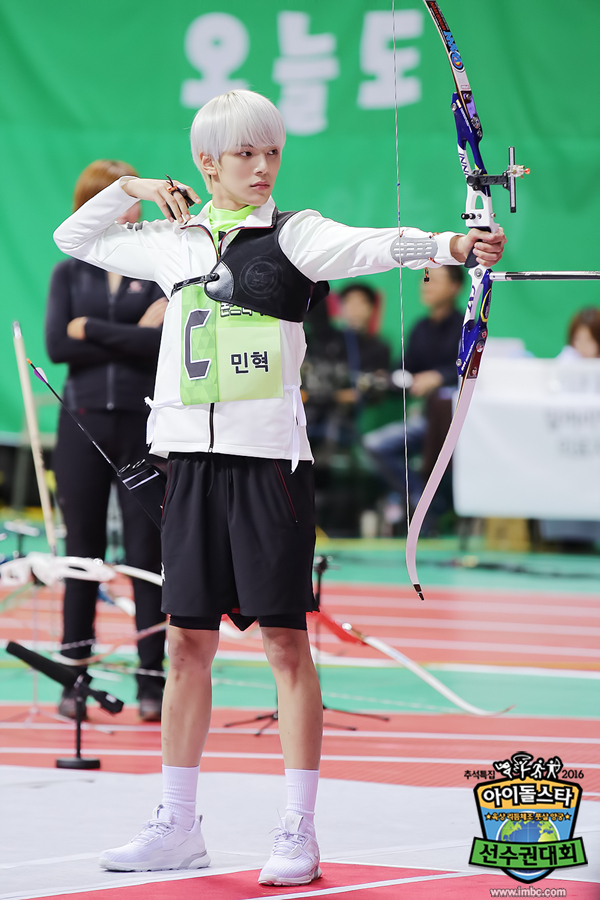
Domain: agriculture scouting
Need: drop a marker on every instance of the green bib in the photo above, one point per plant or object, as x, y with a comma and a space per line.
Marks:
227, 353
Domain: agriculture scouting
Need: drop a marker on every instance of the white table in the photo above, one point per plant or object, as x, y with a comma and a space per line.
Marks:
530, 446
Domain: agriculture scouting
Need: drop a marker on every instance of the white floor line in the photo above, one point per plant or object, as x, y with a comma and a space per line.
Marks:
474, 606
370, 885
50, 860
484, 646
430, 735
477, 669
474, 625
348, 735
213, 754
141, 879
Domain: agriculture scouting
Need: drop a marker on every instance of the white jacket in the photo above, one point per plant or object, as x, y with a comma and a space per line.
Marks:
320, 248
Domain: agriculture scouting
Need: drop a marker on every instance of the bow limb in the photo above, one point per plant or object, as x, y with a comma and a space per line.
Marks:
430, 679
460, 414
347, 632
472, 343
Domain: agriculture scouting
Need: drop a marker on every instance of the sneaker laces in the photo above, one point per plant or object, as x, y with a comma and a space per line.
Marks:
153, 828
286, 840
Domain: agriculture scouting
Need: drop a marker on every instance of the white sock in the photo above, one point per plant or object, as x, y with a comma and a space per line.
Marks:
179, 794
302, 792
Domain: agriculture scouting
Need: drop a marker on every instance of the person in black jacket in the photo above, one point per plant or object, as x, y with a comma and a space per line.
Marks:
336, 363
107, 328
430, 358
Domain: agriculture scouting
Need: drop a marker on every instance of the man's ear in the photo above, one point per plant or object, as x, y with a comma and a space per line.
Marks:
207, 165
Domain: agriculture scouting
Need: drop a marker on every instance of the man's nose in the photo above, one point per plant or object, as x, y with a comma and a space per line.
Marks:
261, 163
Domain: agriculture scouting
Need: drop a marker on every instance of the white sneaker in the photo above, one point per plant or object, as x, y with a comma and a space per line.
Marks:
160, 845
295, 855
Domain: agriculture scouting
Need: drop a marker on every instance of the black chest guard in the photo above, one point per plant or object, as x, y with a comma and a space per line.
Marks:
255, 273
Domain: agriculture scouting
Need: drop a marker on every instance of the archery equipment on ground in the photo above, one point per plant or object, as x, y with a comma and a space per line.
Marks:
34, 436
64, 675
69, 678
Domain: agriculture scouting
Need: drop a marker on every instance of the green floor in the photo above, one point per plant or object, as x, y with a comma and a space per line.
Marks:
250, 685
441, 563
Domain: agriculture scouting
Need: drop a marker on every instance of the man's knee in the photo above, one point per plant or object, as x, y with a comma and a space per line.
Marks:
190, 649
287, 649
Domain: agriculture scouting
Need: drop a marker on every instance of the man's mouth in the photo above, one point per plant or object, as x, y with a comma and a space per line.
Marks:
260, 184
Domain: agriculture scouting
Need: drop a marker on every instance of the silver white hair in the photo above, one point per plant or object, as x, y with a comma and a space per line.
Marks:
234, 120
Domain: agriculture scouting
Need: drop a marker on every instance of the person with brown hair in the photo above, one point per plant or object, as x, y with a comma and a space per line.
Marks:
583, 336
107, 328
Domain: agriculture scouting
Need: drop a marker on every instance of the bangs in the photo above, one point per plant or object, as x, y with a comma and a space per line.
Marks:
235, 120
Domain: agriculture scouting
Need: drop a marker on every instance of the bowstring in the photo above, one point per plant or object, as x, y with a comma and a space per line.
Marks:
400, 265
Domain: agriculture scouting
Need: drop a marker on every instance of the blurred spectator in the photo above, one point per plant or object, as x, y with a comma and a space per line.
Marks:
344, 372
583, 342
431, 360
583, 338
107, 328
345, 368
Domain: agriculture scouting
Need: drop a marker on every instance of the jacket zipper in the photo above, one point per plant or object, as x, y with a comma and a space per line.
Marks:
110, 375
287, 493
211, 427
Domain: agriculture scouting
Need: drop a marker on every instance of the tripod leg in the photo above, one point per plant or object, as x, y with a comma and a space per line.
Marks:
77, 761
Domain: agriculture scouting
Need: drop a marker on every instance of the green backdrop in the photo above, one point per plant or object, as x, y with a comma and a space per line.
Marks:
119, 79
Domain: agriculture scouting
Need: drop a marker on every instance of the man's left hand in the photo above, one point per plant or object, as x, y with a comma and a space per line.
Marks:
488, 247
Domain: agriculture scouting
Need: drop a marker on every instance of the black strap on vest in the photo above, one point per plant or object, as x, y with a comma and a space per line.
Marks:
201, 279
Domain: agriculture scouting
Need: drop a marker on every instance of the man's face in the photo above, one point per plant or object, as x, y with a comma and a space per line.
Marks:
356, 311
244, 177
440, 291
584, 342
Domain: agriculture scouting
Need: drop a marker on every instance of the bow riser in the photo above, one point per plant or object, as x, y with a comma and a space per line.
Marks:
474, 329
478, 207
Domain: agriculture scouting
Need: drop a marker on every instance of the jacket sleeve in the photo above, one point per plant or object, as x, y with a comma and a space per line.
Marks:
60, 347
323, 249
92, 234
122, 339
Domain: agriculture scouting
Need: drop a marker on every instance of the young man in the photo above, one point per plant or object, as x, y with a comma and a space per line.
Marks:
238, 529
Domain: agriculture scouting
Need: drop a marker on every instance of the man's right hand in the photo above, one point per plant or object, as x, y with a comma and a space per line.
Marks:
426, 382
173, 206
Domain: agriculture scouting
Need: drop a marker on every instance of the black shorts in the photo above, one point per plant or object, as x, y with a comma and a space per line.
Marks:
238, 536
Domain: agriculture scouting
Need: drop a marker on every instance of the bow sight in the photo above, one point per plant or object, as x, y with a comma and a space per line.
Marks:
477, 179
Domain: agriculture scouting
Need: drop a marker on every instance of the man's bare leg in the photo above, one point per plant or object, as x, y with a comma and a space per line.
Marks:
295, 855
187, 701
300, 707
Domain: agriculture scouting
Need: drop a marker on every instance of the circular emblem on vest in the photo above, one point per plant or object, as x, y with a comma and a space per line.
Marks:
261, 277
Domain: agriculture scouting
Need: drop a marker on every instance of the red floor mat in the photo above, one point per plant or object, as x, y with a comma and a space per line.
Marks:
362, 883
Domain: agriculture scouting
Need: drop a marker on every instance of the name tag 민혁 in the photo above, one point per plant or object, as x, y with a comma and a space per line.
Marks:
228, 352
